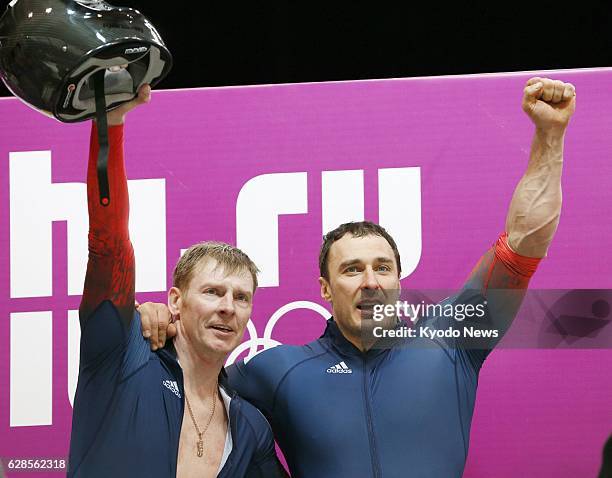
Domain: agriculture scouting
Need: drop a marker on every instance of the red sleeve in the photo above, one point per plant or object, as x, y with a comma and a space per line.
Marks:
110, 268
505, 269
500, 278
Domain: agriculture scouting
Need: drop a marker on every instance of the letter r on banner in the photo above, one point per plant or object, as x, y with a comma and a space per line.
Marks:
260, 201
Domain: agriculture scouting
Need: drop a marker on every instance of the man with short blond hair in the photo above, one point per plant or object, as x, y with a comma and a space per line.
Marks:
167, 412
232, 259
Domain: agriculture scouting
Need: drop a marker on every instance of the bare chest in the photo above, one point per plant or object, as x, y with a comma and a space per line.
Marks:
190, 465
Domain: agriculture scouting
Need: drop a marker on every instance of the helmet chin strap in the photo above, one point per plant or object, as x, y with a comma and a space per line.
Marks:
102, 165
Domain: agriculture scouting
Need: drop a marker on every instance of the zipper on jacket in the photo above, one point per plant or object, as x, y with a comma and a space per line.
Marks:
373, 452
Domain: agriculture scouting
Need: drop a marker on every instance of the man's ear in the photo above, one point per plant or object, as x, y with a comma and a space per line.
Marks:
174, 300
325, 289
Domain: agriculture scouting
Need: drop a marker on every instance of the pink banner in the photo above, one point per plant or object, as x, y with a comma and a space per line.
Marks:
272, 168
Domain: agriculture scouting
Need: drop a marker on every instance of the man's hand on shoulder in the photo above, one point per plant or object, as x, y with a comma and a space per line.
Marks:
549, 103
156, 323
117, 116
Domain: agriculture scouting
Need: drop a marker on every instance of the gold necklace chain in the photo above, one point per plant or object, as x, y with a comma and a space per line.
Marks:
195, 424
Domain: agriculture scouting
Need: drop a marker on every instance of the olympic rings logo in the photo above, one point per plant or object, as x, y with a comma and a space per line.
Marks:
267, 342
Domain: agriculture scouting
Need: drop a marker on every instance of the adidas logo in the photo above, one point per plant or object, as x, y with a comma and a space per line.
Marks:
339, 368
172, 386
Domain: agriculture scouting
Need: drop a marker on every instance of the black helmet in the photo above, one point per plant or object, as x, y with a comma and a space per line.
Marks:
51, 50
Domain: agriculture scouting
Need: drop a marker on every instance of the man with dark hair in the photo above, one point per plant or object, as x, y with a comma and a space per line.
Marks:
341, 406
129, 417
355, 229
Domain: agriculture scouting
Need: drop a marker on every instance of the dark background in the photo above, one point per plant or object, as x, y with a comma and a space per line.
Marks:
235, 43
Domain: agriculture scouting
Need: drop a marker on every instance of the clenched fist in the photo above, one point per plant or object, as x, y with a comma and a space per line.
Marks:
549, 103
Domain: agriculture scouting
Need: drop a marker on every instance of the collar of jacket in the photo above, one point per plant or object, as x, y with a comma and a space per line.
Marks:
170, 357
334, 337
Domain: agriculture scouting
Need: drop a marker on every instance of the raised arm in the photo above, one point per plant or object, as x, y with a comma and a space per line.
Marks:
502, 275
536, 205
110, 267
535, 208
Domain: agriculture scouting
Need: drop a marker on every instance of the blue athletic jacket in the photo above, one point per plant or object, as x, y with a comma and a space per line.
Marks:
338, 412
400, 411
128, 410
